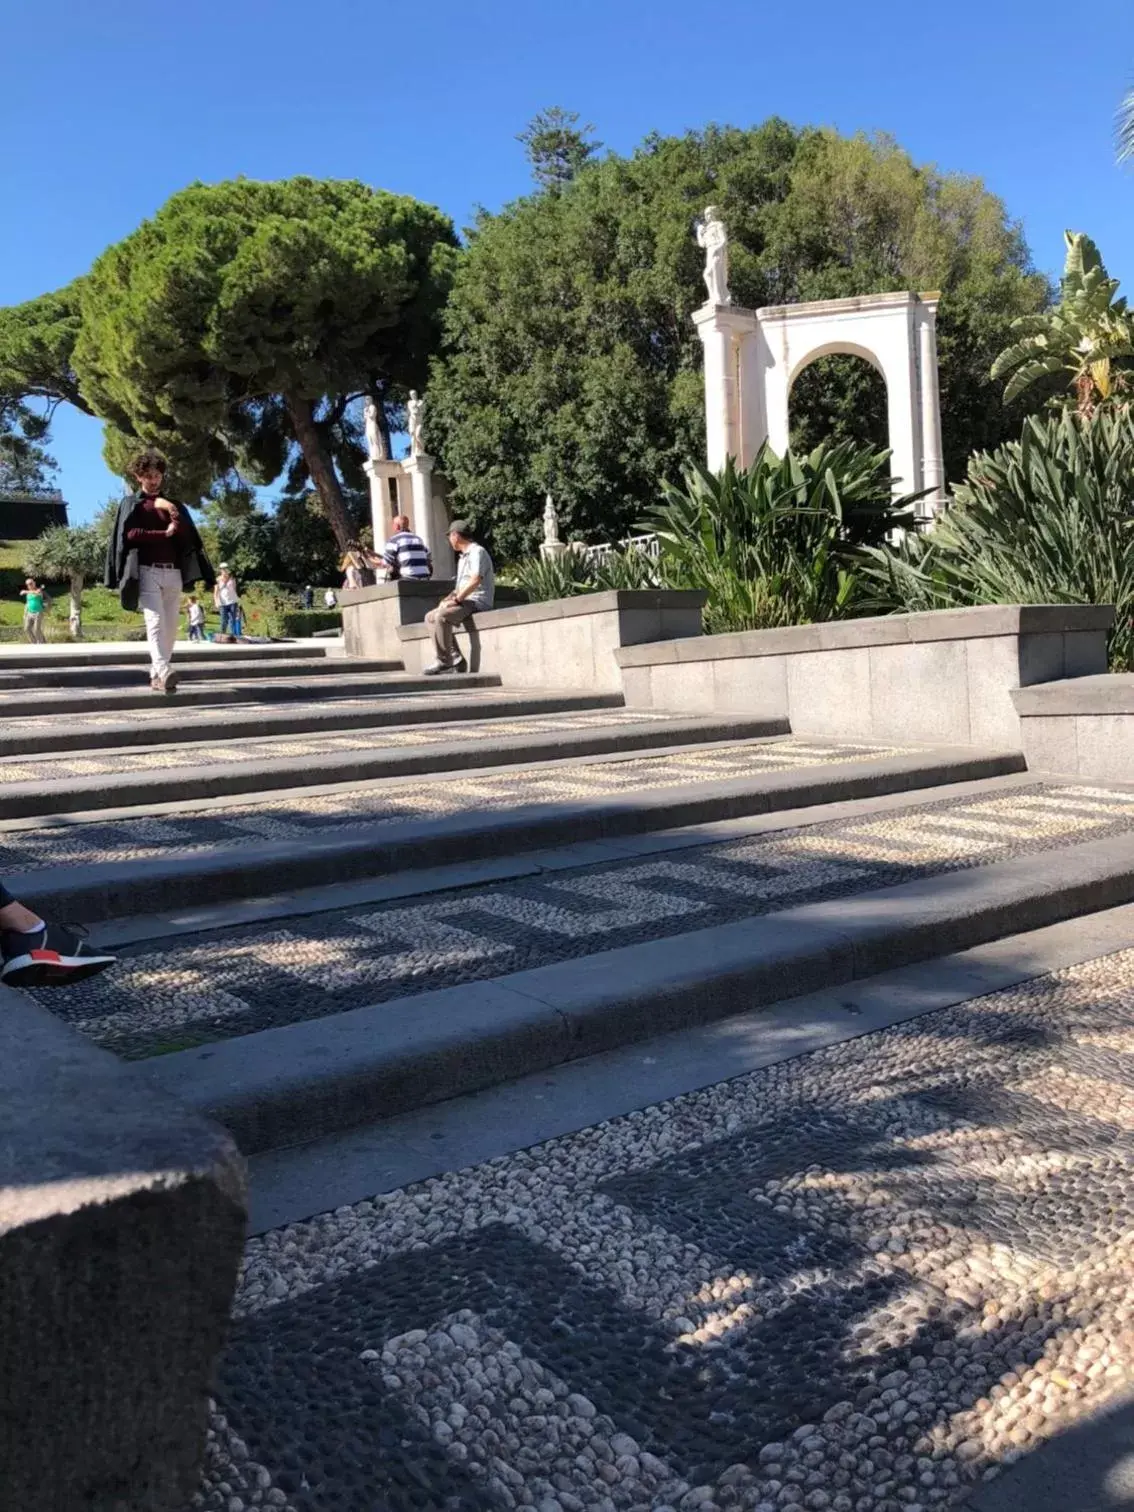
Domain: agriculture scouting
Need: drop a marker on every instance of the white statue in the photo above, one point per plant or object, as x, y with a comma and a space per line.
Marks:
414, 409
374, 440
713, 237
550, 524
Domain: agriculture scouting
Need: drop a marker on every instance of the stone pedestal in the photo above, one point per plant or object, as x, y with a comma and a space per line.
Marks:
382, 505
432, 529
550, 551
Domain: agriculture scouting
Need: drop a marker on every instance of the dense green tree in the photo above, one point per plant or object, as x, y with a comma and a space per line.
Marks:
24, 462
1085, 338
242, 320
571, 364
557, 147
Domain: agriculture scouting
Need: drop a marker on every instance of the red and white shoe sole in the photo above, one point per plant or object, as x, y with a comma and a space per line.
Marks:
47, 968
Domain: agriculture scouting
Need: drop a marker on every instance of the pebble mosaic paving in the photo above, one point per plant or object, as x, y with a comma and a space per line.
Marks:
95, 764
297, 817
239, 981
859, 1281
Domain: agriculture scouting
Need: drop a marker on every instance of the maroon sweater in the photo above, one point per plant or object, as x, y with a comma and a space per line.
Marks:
146, 529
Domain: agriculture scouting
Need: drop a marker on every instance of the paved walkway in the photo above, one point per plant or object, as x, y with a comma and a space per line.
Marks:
218, 985
857, 1281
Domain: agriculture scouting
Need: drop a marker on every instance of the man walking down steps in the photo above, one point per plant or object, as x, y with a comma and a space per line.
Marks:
475, 591
37, 954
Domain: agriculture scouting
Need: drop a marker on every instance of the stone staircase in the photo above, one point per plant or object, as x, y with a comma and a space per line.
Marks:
347, 893
390, 930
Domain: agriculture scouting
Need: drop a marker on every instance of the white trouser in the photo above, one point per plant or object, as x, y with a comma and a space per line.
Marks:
159, 599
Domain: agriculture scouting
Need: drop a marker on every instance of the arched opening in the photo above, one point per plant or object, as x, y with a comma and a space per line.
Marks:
838, 396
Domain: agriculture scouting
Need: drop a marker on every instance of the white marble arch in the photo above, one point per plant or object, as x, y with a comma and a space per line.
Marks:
753, 357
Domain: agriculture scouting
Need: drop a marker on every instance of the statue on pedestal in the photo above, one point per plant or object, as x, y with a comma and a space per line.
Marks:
552, 545
550, 524
713, 237
414, 410
375, 443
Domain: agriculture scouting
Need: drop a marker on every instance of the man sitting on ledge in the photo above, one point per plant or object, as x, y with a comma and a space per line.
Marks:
476, 589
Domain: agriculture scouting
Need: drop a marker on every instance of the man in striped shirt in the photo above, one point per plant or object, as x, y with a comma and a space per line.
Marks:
406, 555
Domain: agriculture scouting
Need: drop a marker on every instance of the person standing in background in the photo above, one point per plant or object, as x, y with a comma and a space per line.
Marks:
309, 597
196, 617
405, 555
35, 600
226, 598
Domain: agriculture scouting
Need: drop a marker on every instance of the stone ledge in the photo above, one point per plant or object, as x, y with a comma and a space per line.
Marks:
615, 601
433, 588
1102, 695
121, 1229
984, 622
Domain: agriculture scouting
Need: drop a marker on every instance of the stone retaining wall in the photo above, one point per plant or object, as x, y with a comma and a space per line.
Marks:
371, 616
1082, 727
565, 643
122, 1219
944, 677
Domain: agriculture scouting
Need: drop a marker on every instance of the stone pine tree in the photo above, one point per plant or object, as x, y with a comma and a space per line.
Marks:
238, 323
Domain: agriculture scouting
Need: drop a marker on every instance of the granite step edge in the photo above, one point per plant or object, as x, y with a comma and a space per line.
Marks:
88, 893
287, 1085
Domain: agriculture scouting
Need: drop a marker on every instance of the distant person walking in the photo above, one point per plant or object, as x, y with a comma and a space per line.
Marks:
195, 614
226, 598
309, 597
405, 555
330, 599
35, 601
475, 590
153, 555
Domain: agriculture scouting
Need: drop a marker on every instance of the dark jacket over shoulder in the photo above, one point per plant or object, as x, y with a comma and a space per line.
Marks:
122, 559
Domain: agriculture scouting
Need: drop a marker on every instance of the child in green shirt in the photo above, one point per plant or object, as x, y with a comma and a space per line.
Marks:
34, 603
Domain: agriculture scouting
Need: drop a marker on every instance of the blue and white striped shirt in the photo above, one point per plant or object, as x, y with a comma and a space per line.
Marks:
407, 556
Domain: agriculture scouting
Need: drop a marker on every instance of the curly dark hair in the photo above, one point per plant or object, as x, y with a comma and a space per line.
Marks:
145, 461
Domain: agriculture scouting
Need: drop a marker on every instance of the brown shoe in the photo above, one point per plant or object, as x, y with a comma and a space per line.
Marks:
156, 685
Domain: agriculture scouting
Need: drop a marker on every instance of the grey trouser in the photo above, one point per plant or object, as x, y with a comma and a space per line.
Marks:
33, 627
441, 622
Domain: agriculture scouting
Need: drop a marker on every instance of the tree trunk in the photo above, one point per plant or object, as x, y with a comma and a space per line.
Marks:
321, 468
76, 606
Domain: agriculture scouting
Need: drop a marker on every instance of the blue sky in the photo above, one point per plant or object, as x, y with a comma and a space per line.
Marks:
109, 106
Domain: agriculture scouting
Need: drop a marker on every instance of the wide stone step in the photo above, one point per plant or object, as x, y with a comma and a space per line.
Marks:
120, 674
324, 1071
179, 774
130, 861
20, 658
169, 723
216, 690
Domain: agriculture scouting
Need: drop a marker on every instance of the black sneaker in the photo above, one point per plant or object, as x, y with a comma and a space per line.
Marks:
50, 957
440, 669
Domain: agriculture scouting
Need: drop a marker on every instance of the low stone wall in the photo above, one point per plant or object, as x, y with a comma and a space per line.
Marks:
122, 1221
1081, 727
943, 677
372, 616
565, 643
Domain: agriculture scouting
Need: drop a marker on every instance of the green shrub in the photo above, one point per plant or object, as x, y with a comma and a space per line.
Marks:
777, 543
570, 574
292, 622
1044, 520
